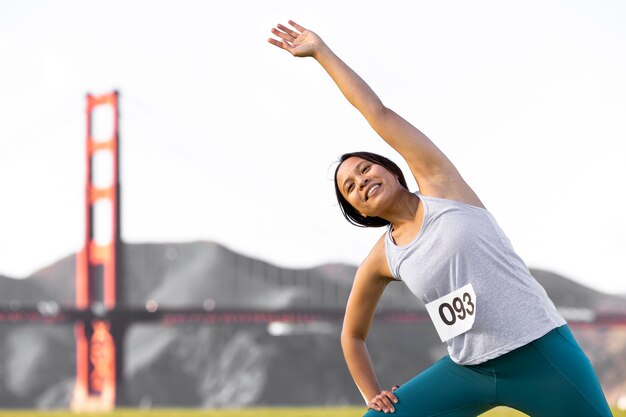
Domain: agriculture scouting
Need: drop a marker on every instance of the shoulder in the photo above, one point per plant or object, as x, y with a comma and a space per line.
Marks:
375, 263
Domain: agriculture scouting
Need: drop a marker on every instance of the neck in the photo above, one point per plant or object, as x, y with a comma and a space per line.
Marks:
403, 210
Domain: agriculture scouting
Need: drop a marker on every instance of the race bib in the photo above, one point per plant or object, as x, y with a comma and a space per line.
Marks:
454, 313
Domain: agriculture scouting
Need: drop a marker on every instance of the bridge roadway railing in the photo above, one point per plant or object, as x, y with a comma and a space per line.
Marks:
49, 313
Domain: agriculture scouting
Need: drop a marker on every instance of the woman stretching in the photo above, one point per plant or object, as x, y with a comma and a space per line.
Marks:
507, 343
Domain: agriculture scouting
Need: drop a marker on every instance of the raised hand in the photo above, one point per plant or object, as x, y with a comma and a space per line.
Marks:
300, 42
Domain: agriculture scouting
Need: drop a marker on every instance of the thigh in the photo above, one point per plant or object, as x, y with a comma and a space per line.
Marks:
552, 377
445, 389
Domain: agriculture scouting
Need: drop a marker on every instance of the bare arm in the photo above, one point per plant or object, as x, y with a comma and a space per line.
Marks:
433, 171
424, 159
368, 287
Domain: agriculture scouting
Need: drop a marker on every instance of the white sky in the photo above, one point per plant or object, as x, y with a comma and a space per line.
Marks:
226, 138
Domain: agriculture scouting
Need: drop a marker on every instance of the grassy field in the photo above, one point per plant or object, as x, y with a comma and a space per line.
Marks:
249, 412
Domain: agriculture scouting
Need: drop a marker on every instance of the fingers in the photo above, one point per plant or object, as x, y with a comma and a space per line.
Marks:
292, 33
299, 42
297, 26
284, 35
282, 45
395, 387
392, 396
384, 402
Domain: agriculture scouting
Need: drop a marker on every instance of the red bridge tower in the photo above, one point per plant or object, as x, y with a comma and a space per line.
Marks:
98, 270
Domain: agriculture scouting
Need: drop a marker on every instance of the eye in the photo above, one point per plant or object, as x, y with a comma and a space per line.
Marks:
365, 169
350, 187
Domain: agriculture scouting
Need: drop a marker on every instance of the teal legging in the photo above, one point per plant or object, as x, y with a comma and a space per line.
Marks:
549, 377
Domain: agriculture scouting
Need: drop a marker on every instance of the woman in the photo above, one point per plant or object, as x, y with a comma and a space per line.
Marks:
507, 343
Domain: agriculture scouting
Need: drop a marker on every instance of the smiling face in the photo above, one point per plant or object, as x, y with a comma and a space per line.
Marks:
367, 186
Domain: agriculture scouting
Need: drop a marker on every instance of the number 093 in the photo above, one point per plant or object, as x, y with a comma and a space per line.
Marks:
460, 308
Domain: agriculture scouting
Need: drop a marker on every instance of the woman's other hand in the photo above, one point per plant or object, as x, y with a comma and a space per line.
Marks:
384, 401
300, 42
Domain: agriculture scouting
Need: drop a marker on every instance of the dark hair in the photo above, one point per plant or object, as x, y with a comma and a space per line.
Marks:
349, 212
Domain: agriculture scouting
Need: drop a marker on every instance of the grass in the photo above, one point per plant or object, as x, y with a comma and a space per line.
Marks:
244, 412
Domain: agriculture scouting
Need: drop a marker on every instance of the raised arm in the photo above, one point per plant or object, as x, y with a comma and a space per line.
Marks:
368, 287
434, 173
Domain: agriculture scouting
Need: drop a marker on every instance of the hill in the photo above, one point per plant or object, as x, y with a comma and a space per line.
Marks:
254, 364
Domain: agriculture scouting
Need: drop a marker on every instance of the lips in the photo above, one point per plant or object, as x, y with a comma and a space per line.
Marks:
371, 190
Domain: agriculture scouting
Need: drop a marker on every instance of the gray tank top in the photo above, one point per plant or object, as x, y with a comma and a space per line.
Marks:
459, 245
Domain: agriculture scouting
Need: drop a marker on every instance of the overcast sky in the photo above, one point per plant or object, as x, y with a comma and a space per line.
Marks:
226, 138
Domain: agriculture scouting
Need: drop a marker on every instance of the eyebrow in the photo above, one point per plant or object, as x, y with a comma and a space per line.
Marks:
357, 169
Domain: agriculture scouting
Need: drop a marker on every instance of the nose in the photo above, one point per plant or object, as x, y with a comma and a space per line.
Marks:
362, 182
